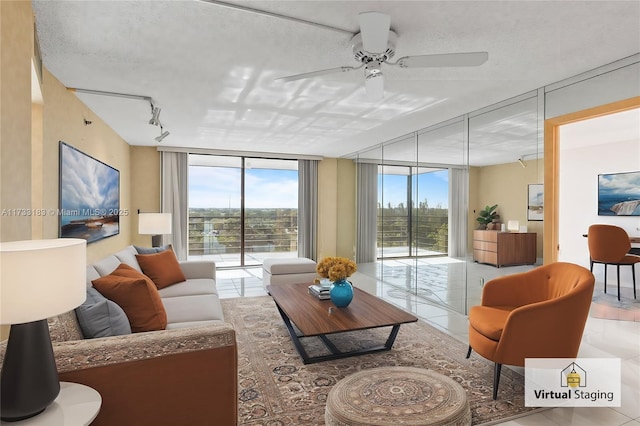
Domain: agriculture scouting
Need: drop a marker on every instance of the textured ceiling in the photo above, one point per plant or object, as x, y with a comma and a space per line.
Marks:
211, 68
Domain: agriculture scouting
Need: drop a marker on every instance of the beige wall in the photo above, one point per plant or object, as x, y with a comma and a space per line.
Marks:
507, 186
145, 188
37, 169
16, 48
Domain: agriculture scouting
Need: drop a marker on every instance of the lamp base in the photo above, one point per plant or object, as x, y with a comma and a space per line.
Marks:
29, 378
156, 240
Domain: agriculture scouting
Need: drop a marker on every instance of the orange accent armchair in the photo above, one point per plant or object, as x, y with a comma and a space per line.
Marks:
540, 313
610, 245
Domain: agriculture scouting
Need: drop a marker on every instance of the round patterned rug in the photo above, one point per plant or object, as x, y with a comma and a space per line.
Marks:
397, 395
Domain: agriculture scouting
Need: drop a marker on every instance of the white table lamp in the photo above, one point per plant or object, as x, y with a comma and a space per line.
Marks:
155, 224
38, 279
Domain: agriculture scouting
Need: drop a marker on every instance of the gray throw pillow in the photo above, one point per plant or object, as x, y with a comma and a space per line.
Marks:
151, 250
101, 317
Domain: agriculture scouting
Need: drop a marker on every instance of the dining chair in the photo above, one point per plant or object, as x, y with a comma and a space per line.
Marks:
610, 245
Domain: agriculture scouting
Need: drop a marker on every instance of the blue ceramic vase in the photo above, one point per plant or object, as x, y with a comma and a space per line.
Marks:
341, 293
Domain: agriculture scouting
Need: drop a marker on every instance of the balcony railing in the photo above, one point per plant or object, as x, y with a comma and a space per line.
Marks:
429, 231
266, 231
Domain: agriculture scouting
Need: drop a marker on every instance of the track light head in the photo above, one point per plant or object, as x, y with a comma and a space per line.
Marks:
162, 136
155, 113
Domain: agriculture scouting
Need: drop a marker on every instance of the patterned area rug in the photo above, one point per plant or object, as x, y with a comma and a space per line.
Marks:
276, 388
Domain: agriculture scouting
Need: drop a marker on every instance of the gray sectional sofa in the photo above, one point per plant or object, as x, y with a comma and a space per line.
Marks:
188, 304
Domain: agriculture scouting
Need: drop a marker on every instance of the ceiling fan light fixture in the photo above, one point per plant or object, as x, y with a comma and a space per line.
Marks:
375, 45
373, 69
374, 85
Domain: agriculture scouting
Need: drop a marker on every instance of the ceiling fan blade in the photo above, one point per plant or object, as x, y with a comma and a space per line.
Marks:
374, 86
469, 59
317, 73
374, 28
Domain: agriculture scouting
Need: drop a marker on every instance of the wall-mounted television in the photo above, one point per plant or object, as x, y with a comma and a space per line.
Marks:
619, 194
89, 196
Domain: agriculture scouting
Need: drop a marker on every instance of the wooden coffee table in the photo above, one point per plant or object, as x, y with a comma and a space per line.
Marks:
313, 317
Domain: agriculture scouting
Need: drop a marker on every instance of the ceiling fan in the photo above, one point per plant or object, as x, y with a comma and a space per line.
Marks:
375, 45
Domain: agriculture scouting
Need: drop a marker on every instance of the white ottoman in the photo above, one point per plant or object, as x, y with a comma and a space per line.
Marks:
288, 271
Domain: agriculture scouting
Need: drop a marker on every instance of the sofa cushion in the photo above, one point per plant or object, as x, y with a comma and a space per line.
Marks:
101, 317
92, 274
137, 295
151, 250
489, 320
189, 324
192, 287
202, 307
107, 265
128, 257
163, 268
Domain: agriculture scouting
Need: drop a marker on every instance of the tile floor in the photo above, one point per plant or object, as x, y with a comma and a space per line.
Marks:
433, 289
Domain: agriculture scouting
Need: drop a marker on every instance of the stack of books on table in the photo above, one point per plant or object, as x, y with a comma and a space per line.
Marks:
319, 291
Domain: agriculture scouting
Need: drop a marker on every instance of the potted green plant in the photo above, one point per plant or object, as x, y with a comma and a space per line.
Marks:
487, 215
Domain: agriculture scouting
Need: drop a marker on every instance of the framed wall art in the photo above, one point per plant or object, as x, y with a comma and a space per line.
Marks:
619, 194
535, 204
89, 196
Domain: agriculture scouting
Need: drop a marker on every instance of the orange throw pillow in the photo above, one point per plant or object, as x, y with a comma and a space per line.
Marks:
136, 295
163, 268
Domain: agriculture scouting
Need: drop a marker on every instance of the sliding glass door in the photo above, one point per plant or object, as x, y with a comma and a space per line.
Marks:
270, 209
430, 211
412, 211
394, 211
242, 210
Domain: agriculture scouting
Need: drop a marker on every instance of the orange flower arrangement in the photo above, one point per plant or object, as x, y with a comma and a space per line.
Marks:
336, 268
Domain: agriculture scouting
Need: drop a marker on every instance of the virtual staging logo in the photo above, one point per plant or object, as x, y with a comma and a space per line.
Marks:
569, 382
570, 378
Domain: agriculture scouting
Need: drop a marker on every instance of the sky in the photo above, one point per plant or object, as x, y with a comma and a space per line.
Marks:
434, 187
625, 185
220, 187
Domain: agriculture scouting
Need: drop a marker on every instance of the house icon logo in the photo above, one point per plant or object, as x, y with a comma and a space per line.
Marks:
573, 376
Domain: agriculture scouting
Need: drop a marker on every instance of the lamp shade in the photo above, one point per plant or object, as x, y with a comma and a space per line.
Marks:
513, 225
154, 223
41, 278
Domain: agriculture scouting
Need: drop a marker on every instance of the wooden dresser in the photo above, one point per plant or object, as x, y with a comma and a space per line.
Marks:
504, 248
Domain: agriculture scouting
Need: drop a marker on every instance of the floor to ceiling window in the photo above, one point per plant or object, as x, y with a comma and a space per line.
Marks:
242, 209
394, 211
412, 211
430, 211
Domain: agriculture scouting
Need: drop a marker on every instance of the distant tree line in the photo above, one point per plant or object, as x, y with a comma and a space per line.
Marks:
215, 230
427, 229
